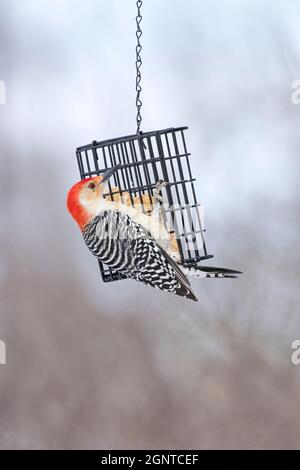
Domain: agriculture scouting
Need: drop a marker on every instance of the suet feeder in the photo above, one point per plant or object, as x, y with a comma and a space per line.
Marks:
142, 160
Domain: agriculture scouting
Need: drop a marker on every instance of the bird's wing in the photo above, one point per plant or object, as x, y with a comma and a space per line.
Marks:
127, 247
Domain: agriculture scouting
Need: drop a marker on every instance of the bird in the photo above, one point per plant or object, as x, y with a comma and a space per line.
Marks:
128, 234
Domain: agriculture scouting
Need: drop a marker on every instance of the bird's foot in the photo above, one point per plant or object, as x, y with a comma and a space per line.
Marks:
157, 193
159, 204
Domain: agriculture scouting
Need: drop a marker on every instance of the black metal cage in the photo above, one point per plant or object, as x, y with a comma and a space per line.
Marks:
141, 160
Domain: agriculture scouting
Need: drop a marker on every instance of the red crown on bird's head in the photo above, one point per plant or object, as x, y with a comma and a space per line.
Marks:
78, 211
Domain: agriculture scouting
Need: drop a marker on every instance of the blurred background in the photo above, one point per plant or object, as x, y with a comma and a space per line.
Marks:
121, 365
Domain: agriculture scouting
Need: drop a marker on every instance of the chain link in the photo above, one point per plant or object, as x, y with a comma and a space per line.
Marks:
138, 64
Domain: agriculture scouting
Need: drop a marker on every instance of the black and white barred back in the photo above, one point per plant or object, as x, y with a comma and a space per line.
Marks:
127, 247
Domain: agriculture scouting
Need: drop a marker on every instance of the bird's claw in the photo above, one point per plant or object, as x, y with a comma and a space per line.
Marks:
156, 193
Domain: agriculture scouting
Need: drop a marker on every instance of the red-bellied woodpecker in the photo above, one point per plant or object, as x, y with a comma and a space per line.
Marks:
131, 240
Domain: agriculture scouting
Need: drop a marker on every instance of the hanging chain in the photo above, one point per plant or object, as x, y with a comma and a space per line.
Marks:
138, 64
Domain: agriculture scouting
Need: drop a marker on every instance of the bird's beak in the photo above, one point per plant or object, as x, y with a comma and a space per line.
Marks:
106, 175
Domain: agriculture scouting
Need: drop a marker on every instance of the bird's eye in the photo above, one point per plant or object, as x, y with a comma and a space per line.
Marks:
91, 186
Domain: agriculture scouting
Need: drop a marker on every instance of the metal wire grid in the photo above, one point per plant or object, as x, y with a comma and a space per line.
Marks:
141, 160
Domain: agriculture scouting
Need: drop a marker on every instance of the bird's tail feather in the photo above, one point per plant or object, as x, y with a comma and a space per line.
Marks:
201, 272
